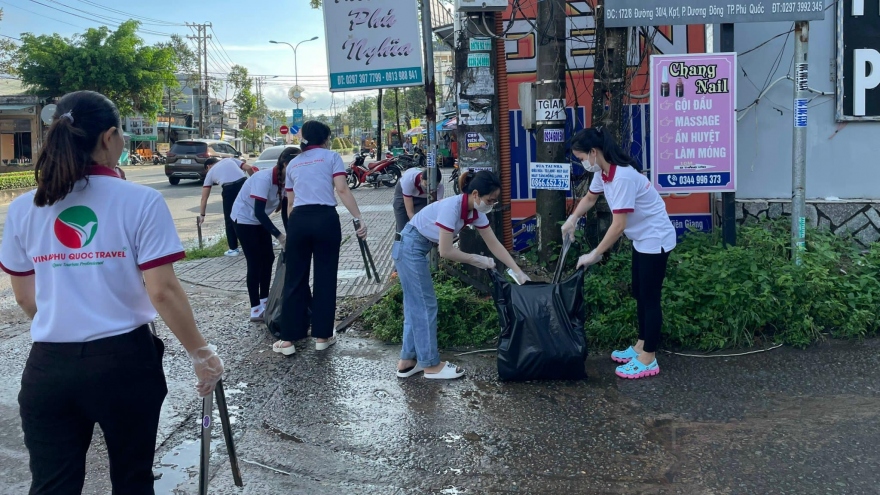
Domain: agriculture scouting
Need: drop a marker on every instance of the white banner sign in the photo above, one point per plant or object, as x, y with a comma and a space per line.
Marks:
554, 176
373, 44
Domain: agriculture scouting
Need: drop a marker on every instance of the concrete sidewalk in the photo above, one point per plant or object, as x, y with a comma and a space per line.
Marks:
229, 274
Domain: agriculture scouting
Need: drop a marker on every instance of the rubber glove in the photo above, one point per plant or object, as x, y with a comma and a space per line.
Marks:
362, 232
521, 277
588, 259
209, 368
569, 227
483, 262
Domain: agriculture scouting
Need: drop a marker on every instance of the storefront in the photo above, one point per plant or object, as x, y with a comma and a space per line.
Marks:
20, 132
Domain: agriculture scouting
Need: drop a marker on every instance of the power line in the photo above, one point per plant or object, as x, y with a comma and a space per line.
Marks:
42, 15
221, 46
97, 21
10, 37
158, 22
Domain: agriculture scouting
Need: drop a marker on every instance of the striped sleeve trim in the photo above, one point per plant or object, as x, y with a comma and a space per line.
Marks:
15, 273
257, 197
597, 192
623, 210
164, 260
339, 174
288, 189
207, 186
444, 227
483, 227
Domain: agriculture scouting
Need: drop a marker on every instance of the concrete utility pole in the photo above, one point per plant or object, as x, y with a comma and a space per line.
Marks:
431, 110
799, 146
379, 127
201, 38
550, 87
728, 199
609, 83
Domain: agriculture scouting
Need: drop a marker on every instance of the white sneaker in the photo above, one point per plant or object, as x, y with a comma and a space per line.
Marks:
231, 252
257, 313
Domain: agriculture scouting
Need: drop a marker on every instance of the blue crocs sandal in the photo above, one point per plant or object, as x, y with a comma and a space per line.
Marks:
635, 369
624, 356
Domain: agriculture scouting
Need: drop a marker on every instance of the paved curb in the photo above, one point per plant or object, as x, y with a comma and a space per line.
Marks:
8, 195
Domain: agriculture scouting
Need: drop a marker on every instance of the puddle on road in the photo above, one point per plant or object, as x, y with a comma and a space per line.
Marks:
176, 466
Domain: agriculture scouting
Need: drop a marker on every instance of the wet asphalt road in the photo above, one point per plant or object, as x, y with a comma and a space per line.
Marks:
339, 422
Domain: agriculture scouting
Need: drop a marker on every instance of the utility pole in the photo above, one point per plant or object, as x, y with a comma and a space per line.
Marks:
799, 146
380, 127
609, 80
550, 86
201, 38
397, 114
431, 110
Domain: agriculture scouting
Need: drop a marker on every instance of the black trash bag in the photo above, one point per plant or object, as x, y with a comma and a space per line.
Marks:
542, 329
272, 316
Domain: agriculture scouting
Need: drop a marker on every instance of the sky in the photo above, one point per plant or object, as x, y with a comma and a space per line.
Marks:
241, 34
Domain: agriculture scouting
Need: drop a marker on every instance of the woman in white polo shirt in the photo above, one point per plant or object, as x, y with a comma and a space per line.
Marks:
438, 224
314, 179
91, 257
260, 196
411, 194
230, 174
640, 213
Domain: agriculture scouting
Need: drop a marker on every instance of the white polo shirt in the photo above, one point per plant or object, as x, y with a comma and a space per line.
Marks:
410, 184
263, 185
87, 253
450, 214
225, 171
647, 224
310, 177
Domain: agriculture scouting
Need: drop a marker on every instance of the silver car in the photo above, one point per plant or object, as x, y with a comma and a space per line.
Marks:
269, 157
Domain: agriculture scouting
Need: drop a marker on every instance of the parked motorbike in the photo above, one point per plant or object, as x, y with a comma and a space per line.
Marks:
135, 159
158, 158
417, 159
386, 172
369, 151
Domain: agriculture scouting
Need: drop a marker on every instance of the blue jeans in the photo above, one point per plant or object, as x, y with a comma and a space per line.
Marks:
419, 300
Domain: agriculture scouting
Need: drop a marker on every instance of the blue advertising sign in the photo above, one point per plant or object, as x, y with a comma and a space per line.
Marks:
686, 223
298, 119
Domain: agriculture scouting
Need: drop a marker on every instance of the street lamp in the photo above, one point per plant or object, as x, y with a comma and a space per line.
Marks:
295, 71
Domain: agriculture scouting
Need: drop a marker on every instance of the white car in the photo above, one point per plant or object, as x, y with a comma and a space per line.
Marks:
269, 157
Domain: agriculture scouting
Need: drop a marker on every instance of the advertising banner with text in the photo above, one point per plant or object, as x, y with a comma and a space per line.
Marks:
373, 44
693, 122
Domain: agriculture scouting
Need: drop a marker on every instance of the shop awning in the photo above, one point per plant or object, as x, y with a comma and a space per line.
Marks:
163, 125
15, 107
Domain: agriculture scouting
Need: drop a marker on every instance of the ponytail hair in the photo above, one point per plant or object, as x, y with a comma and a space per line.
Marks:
287, 154
80, 119
484, 182
600, 139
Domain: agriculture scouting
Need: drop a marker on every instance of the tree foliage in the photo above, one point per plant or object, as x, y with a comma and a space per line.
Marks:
115, 63
7, 53
243, 97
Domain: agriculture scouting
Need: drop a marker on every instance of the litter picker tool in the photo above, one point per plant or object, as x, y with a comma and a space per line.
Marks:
366, 254
566, 243
199, 229
207, 420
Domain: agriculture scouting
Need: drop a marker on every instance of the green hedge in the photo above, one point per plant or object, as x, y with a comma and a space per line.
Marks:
714, 297
17, 180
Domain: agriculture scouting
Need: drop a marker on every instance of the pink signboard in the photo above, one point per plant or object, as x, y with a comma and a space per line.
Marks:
693, 122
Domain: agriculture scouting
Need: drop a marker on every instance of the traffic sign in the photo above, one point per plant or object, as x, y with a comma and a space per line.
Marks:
283, 129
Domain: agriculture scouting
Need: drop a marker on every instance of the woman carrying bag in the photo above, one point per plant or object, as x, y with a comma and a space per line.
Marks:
639, 212
437, 225
260, 196
315, 235
91, 258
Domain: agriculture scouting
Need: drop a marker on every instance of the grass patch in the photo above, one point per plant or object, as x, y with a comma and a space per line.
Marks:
212, 251
714, 297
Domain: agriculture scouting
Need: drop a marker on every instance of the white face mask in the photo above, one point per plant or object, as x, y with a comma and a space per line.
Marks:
591, 167
483, 207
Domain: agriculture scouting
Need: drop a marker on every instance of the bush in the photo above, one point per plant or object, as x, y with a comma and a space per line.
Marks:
464, 318
17, 180
714, 297
212, 251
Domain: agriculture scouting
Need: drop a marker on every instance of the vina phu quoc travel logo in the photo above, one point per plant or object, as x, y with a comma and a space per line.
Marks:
76, 227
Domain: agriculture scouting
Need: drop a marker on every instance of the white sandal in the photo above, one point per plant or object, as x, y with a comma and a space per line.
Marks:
408, 372
287, 351
323, 346
449, 372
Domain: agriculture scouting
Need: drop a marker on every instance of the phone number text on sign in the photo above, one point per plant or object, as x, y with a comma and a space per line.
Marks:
552, 176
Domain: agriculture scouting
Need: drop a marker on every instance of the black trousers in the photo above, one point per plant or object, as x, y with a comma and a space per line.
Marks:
648, 272
229, 193
314, 233
256, 242
116, 382
400, 216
